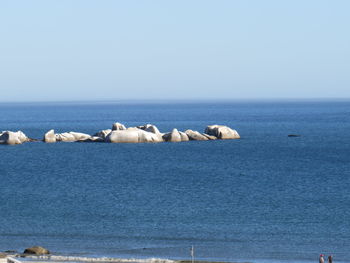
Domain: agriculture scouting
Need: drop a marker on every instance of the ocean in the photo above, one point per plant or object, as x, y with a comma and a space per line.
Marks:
265, 197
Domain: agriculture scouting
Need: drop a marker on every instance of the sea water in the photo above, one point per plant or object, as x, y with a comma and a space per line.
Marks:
266, 197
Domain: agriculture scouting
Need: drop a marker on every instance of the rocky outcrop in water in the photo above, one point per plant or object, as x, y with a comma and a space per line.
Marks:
50, 137
11, 138
132, 135
120, 134
222, 132
196, 136
149, 128
175, 136
103, 133
72, 137
36, 251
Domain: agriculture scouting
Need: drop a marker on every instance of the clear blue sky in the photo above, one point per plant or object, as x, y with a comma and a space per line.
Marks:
95, 50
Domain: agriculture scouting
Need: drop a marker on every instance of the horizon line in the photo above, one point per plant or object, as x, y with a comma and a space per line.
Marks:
199, 100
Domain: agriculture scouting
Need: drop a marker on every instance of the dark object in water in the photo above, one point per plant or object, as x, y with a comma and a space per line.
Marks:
36, 250
330, 259
294, 135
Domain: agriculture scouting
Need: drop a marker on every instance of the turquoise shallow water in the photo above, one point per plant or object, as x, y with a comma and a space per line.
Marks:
265, 197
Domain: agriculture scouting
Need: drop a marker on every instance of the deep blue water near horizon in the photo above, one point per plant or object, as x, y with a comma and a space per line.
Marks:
265, 197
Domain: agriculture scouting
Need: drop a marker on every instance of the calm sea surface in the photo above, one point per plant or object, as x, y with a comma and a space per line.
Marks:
263, 198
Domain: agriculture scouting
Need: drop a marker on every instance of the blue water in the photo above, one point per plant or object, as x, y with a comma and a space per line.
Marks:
263, 198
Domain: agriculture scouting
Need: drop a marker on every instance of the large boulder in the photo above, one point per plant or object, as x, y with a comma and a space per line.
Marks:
72, 136
195, 136
118, 127
79, 136
50, 137
36, 251
145, 136
9, 137
123, 136
64, 137
173, 136
222, 132
132, 135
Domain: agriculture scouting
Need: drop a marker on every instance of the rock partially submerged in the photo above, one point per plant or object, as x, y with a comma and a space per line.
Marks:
11, 138
132, 135
36, 251
294, 135
196, 136
72, 136
222, 132
173, 136
50, 137
103, 134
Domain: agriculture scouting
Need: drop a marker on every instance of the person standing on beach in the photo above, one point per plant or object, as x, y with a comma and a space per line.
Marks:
321, 259
330, 259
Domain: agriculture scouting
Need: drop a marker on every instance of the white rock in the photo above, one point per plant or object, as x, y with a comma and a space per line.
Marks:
9, 137
173, 136
132, 135
65, 137
222, 132
184, 136
145, 136
118, 127
210, 137
72, 136
195, 135
79, 136
123, 136
149, 128
103, 133
50, 137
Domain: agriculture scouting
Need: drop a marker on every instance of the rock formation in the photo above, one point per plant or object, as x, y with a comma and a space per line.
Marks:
36, 251
103, 134
9, 137
50, 137
132, 135
210, 137
120, 134
149, 128
118, 126
184, 136
72, 136
222, 132
79, 136
196, 136
173, 136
